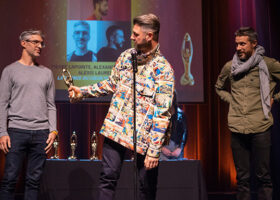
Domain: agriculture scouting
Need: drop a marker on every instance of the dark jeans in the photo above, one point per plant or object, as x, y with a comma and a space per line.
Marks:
112, 159
24, 143
252, 149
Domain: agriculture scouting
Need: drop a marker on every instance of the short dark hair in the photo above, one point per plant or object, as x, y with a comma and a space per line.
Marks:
111, 30
247, 31
97, 1
148, 21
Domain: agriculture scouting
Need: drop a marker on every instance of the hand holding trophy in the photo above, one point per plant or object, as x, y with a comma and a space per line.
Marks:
187, 53
75, 94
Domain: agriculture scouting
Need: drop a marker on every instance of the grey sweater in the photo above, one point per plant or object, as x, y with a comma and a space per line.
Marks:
27, 98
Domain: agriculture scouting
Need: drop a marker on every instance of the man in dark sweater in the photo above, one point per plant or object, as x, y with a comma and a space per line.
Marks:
252, 78
28, 116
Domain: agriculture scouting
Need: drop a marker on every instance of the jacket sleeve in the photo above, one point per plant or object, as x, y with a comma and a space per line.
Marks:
274, 70
5, 95
163, 100
105, 87
220, 84
51, 104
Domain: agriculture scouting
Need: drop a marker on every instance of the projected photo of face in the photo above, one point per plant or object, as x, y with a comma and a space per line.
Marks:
78, 47
101, 10
115, 44
96, 41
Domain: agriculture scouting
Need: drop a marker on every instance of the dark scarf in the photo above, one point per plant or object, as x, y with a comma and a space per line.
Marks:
239, 67
144, 58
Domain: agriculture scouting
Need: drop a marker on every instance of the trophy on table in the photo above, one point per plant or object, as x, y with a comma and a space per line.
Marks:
187, 53
55, 146
68, 80
73, 144
94, 143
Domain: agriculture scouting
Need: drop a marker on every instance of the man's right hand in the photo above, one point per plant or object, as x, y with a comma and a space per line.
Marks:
5, 143
166, 151
271, 102
74, 94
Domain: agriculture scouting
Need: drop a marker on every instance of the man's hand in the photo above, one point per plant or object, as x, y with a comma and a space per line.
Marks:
166, 151
74, 94
150, 162
50, 141
5, 143
176, 152
271, 102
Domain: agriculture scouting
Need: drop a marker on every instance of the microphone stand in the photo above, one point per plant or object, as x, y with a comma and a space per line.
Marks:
134, 65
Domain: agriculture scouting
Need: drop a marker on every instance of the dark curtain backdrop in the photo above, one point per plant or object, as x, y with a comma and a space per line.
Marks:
209, 138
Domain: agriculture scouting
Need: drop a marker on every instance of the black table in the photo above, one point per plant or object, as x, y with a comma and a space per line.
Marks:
78, 180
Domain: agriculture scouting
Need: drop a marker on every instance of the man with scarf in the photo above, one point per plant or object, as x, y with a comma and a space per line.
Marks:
154, 94
252, 78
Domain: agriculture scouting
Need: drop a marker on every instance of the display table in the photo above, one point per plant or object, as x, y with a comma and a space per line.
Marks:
78, 180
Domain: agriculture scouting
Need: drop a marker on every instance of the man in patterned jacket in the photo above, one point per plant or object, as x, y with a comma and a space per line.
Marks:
154, 93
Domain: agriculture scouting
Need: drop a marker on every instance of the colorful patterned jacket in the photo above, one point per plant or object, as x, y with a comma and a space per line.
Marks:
154, 93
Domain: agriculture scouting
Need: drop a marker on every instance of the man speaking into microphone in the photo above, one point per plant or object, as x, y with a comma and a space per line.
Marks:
154, 93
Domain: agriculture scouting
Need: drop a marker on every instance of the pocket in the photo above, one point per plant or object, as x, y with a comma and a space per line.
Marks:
254, 78
40, 137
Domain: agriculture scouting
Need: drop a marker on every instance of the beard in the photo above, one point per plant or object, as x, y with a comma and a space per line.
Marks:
103, 12
119, 45
243, 56
143, 46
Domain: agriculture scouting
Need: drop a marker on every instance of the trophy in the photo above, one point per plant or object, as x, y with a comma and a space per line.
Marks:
73, 144
68, 80
187, 53
94, 143
55, 146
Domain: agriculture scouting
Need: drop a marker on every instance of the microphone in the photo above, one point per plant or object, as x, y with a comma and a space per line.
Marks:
134, 60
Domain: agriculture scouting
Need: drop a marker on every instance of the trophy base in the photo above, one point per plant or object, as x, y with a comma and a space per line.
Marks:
93, 158
72, 158
187, 80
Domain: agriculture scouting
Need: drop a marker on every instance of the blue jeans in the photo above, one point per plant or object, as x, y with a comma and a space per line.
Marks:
255, 148
112, 159
30, 144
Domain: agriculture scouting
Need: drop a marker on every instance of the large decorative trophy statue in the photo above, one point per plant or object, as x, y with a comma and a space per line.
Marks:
68, 80
187, 53
73, 144
94, 143
55, 146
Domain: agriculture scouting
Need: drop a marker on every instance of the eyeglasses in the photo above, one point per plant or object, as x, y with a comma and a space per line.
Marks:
37, 42
81, 33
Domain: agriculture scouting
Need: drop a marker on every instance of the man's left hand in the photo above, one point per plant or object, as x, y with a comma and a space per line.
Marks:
50, 141
150, 162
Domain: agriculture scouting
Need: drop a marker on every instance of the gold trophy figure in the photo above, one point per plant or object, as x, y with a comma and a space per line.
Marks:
55, 146
94, 143
73, 144
187, 53
68, 80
